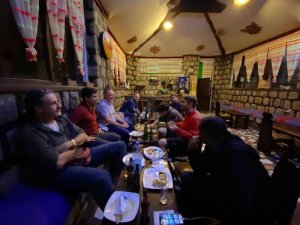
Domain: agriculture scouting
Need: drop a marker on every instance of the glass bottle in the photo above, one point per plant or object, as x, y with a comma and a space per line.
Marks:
137, 178
146, 135
130, 171
145, 208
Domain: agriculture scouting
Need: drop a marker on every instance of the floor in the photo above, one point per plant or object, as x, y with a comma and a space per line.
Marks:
250, 136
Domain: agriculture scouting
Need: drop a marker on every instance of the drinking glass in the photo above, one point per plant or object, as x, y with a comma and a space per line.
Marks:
163, 194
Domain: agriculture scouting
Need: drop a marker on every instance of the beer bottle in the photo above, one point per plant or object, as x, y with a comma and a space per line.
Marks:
137, 178
146, 134
145, 208
130, 171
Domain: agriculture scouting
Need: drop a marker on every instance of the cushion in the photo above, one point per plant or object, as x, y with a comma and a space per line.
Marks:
24, 205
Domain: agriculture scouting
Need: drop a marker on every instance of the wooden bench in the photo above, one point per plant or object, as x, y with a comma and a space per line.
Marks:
25, 205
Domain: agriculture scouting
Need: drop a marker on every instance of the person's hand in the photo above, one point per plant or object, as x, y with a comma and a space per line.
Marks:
91, 138
194, 144
84, 157
170, 123
100, 131
173, 127
125, 124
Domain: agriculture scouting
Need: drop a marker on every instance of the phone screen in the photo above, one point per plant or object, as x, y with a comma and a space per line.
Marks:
171, 219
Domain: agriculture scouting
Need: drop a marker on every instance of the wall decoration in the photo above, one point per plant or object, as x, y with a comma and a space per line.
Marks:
200, 47
118, 64
77, 25
160, 66
253, 28
285, 48
105, 43
132, 40
154, 49
57, 12
26, 14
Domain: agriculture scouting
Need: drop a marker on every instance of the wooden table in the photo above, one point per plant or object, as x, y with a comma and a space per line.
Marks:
152, 195
235, 116
289, 130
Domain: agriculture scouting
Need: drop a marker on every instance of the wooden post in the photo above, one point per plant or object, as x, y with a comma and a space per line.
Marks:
264, 143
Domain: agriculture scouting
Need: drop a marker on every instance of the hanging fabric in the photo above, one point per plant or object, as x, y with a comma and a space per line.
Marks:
76, 20
293, 55
57, 11
26, 13
276, 53
249, 62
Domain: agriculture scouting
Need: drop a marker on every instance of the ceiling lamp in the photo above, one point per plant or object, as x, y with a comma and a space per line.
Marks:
240, 2
168, 25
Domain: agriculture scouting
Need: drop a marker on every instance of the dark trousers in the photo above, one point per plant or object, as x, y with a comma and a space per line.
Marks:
75, 179
122, 131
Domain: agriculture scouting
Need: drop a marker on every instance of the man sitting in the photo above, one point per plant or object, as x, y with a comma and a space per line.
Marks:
175, 103
178, 134
130, 109
167, 114
229, 182
51, 151
109, 119
85, 117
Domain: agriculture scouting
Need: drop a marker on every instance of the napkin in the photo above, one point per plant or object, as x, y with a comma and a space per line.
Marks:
121, 208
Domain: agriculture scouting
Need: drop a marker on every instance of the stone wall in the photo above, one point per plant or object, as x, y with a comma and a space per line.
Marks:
273, 101
99, 68
139, 81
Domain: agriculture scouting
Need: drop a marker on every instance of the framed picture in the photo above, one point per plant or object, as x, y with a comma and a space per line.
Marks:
183, 85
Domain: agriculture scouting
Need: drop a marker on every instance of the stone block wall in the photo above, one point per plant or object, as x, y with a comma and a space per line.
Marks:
136, 80
272, 101
99, 68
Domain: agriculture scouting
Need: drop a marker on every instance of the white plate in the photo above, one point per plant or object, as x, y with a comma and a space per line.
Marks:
127, 157
150, 174
133, 206
136, 133
156, 153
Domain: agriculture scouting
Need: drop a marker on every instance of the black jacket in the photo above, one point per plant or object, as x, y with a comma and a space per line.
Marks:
235, 182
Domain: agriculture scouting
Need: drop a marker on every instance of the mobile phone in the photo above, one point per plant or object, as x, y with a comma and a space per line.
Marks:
170, 219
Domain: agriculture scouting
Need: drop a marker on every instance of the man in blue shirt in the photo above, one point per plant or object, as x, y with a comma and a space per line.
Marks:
130, 109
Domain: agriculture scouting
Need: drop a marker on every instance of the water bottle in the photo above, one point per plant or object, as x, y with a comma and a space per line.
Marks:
137, 156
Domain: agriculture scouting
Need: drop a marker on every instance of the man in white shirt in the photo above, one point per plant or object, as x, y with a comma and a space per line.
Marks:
109, 119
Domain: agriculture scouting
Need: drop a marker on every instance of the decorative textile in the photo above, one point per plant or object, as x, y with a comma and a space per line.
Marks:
26, 14
274, 50
118, 63
57, 11
76, 19
293, 54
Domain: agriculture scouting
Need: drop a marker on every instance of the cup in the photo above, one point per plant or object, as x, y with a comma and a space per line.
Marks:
163, 196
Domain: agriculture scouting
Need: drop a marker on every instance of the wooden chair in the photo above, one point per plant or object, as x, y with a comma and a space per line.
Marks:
269, 139
285, 189
225, 116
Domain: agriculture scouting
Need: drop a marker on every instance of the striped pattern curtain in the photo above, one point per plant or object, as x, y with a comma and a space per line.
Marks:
57, 11
293, 55
26, 13
76, 19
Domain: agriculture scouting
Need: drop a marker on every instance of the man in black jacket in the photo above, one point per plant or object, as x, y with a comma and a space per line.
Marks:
51, 151
229, 182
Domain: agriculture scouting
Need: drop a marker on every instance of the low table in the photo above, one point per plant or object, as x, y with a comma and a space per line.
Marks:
235, 115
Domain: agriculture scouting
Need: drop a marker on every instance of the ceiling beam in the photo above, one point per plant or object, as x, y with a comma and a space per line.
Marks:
155, 32
213, 29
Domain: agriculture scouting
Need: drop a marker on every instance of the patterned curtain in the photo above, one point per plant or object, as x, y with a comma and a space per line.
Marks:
26, 13
293, 55
57, 11
76, 19
249, 62
261, 60
276, 53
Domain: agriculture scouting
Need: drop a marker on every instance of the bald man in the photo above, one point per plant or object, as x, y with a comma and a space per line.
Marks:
130, 108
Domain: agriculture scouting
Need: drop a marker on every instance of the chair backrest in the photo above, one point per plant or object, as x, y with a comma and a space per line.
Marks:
285, 190
218, 109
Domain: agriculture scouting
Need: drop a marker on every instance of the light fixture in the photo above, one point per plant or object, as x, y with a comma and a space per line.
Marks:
168, 25
240, 2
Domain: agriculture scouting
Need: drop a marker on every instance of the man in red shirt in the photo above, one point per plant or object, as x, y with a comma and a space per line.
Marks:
179, 134
85, 117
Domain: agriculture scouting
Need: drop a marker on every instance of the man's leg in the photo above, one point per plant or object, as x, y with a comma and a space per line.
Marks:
123, 132
109, 136
76, 179
111, 155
